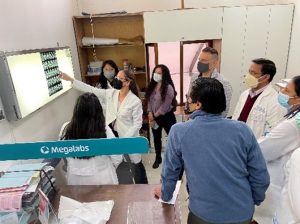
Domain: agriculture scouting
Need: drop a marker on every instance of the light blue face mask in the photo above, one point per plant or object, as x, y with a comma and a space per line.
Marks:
283, 100
157, 77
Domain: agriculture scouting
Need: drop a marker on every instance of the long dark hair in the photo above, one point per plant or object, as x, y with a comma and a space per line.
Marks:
166, 80
102, 79
292, 113
88, 120
132, 86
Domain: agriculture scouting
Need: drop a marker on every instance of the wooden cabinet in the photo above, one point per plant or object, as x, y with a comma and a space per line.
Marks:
121, 26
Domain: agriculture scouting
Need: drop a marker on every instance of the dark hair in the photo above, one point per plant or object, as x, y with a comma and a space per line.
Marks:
212, 51
102, 79
296, 81
267, 67
88, 120
293, 112
165, 82
129, 76
210, 93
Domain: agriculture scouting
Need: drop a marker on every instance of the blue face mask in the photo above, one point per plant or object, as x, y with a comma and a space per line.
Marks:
283, 100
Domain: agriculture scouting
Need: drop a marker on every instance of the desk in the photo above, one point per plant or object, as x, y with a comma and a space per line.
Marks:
122, 196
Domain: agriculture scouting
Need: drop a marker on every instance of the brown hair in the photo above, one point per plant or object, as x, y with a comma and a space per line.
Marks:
129, 76
212, 51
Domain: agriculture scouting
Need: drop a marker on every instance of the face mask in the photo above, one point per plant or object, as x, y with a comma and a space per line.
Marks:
283, 100
117, 84
109, 74
251, 81
157, 77
202, 68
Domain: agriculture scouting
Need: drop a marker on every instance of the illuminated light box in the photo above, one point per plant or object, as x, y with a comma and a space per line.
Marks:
29, 79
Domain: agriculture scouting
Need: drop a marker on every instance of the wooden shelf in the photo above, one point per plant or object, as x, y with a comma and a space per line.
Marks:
124, 26
109, 15
135, 73
111, 45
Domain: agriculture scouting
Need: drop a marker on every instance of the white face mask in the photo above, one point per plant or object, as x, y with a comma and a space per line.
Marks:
157, 77
109, 74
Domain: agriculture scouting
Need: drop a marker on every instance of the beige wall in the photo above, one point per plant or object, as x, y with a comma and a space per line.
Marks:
33, 24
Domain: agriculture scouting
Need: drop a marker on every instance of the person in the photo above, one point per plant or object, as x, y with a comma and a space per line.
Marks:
108, 72
258, 106
160, 96
288, 210
225, 170
207, 64
88, 122
278, 146
123, 111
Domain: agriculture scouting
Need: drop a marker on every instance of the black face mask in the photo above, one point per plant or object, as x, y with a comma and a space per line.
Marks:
117, 84
202, 68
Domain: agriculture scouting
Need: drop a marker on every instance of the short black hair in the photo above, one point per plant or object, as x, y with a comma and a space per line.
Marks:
210, 93
296, 81
267, 67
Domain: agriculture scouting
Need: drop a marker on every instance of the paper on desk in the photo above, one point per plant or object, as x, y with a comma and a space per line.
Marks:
15, 179
94, 212
175, 194
30, 166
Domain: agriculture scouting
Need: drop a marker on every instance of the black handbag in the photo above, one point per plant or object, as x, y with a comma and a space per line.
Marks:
131, 173
125, 171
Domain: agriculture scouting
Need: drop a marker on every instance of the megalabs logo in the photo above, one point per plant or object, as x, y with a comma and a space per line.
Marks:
64, 150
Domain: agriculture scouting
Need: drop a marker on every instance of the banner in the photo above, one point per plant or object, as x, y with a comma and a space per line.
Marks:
73, 148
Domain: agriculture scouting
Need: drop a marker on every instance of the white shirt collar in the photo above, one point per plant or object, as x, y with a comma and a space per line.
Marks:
255, 93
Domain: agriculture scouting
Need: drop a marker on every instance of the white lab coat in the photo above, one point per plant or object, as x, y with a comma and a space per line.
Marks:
265, 113
277, 148
129, 115
288, 211
100, 99
98, 170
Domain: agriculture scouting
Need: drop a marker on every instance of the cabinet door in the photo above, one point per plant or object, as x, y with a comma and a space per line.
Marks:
280, 27
232, 52
183, 25
254, 32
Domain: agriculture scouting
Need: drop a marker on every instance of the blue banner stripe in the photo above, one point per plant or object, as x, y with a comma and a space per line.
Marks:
73, 148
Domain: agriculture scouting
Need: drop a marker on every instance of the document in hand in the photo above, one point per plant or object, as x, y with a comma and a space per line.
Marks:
175, 194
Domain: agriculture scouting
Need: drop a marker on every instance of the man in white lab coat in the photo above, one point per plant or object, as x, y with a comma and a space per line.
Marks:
258, 106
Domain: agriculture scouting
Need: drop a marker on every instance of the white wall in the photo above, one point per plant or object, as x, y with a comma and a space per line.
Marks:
33, 24
293, 67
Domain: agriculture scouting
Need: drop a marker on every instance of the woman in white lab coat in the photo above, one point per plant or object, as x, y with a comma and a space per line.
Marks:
278, 146
123, 111
88, 122
288, 211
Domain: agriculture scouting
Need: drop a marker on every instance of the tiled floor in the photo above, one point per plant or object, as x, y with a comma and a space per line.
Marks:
154, 178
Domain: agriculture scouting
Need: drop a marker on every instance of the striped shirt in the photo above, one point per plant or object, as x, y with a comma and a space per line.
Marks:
226, 85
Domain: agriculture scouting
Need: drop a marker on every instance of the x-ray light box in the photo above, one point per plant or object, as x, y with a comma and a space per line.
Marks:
29, 79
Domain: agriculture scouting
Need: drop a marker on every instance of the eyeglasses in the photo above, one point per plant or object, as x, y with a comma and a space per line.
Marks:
254, 73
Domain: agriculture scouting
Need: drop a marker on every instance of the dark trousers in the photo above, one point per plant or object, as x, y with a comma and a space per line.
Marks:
193, 219
165, 122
